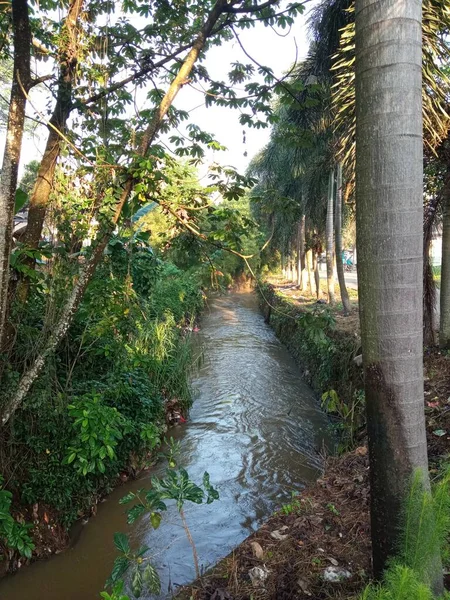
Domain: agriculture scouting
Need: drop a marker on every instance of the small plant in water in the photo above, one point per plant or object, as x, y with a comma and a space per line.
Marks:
176, 486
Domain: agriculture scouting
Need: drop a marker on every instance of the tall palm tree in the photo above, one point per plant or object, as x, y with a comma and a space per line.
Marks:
389, 157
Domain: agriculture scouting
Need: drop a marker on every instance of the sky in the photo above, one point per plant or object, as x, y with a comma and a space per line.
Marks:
267, 47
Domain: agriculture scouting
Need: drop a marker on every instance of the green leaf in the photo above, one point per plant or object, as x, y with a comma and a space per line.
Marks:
20, 200
121, 542
130, 496
151, 579
137, 583
143, 211
134, 513
120, 567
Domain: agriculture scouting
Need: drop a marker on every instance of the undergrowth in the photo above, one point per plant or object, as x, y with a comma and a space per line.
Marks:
98, 407
326, 356
424, 538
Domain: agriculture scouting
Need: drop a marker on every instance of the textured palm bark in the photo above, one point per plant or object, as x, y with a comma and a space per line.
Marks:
21, 85
338, 242
72, 303
329, 241
444, 326
389, 243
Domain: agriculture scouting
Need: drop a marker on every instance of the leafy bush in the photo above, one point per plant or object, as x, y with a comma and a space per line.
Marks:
14, 534
98, 429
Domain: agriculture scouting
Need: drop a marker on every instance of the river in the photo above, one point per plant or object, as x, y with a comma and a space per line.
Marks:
255, 426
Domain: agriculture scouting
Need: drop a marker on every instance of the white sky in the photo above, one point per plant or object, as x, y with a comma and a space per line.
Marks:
268, 48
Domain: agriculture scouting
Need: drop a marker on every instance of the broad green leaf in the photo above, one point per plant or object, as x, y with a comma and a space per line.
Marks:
20, 200
121, 542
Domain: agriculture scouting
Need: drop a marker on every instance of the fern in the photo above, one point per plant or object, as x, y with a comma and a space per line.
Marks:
400, 583
426, 527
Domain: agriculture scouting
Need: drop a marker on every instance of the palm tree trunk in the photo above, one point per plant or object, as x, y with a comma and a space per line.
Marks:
309, 268
289, 262
338, 241
329, 240
316, 273
444, 327
301, 252
429, 286
389, 152
21, 85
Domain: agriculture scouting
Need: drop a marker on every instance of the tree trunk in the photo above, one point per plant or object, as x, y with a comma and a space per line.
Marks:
40, 196
293, 259
329, 240
338, 241
289, 262
444, 327
301, 252
88, 270
316, 273
309, 268
429, 286
389, 242
21, 85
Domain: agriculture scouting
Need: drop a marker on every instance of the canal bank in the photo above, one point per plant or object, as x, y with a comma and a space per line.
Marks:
255, 426
318, 545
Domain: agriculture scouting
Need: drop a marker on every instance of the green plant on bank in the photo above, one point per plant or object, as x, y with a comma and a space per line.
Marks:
315, 343
293, 506
14, 534
98, 429
350, 415
176, 486
123, 358
425, 526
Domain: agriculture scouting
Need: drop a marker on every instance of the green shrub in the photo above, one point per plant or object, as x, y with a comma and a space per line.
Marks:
97, 430
14, 534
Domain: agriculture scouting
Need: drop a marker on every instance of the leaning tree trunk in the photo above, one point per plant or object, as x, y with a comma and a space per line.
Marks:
21, 85
301, 252
389, 243
444, 327
338, 242
75, 297
40, 196
329, 240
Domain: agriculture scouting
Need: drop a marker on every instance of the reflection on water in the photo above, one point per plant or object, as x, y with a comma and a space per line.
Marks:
255, 427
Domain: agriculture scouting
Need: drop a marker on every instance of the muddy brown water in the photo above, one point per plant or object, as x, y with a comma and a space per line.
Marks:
255, 427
